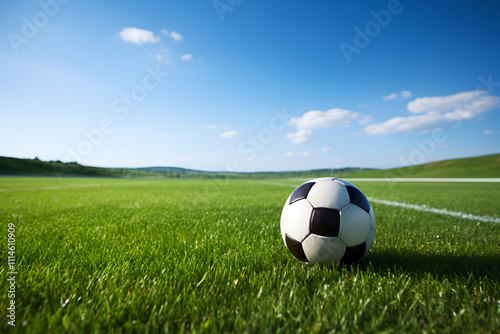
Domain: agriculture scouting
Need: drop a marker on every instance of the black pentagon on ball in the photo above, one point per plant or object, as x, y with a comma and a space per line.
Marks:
295, 247
301, 192
325, 222
353, 254
358, 198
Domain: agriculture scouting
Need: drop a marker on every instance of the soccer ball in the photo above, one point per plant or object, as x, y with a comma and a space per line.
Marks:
328, 220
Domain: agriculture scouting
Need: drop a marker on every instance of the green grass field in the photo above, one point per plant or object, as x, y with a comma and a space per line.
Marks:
136, 255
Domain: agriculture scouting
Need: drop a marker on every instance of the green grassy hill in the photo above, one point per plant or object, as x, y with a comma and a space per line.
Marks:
476, 167
16, 166
483, 166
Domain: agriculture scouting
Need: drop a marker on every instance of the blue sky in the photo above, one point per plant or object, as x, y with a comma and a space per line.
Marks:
249, 85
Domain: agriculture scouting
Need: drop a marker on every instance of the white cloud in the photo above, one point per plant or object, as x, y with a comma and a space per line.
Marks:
363, 105
186, 56
138, 36
316, 119
157, 56
211, 127
300, 136
403, 124
295, 154
365, 119
442, 103
406, 94
176, 36
228, 134
389, 97
326, 149
489, 132
436, 111
161, 135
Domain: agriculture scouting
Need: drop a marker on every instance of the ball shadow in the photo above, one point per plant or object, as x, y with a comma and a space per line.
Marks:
436, 264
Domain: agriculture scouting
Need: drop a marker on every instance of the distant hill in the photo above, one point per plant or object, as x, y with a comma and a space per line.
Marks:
16, 166
483, 166
172, 171
475, 167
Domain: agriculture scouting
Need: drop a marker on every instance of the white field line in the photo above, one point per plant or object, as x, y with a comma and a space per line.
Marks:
457, 214
88, 185
421, 179
434, 210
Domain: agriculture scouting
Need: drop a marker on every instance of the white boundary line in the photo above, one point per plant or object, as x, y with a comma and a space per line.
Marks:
457, 214
423, 179
73, 186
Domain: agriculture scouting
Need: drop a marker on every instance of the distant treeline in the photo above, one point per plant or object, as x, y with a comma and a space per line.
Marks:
16, 166
480, 167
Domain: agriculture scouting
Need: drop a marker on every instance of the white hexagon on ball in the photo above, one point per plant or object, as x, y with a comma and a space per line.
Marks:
324, 250
282, 221
296, 218
328, 194
372, 218
355, 225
